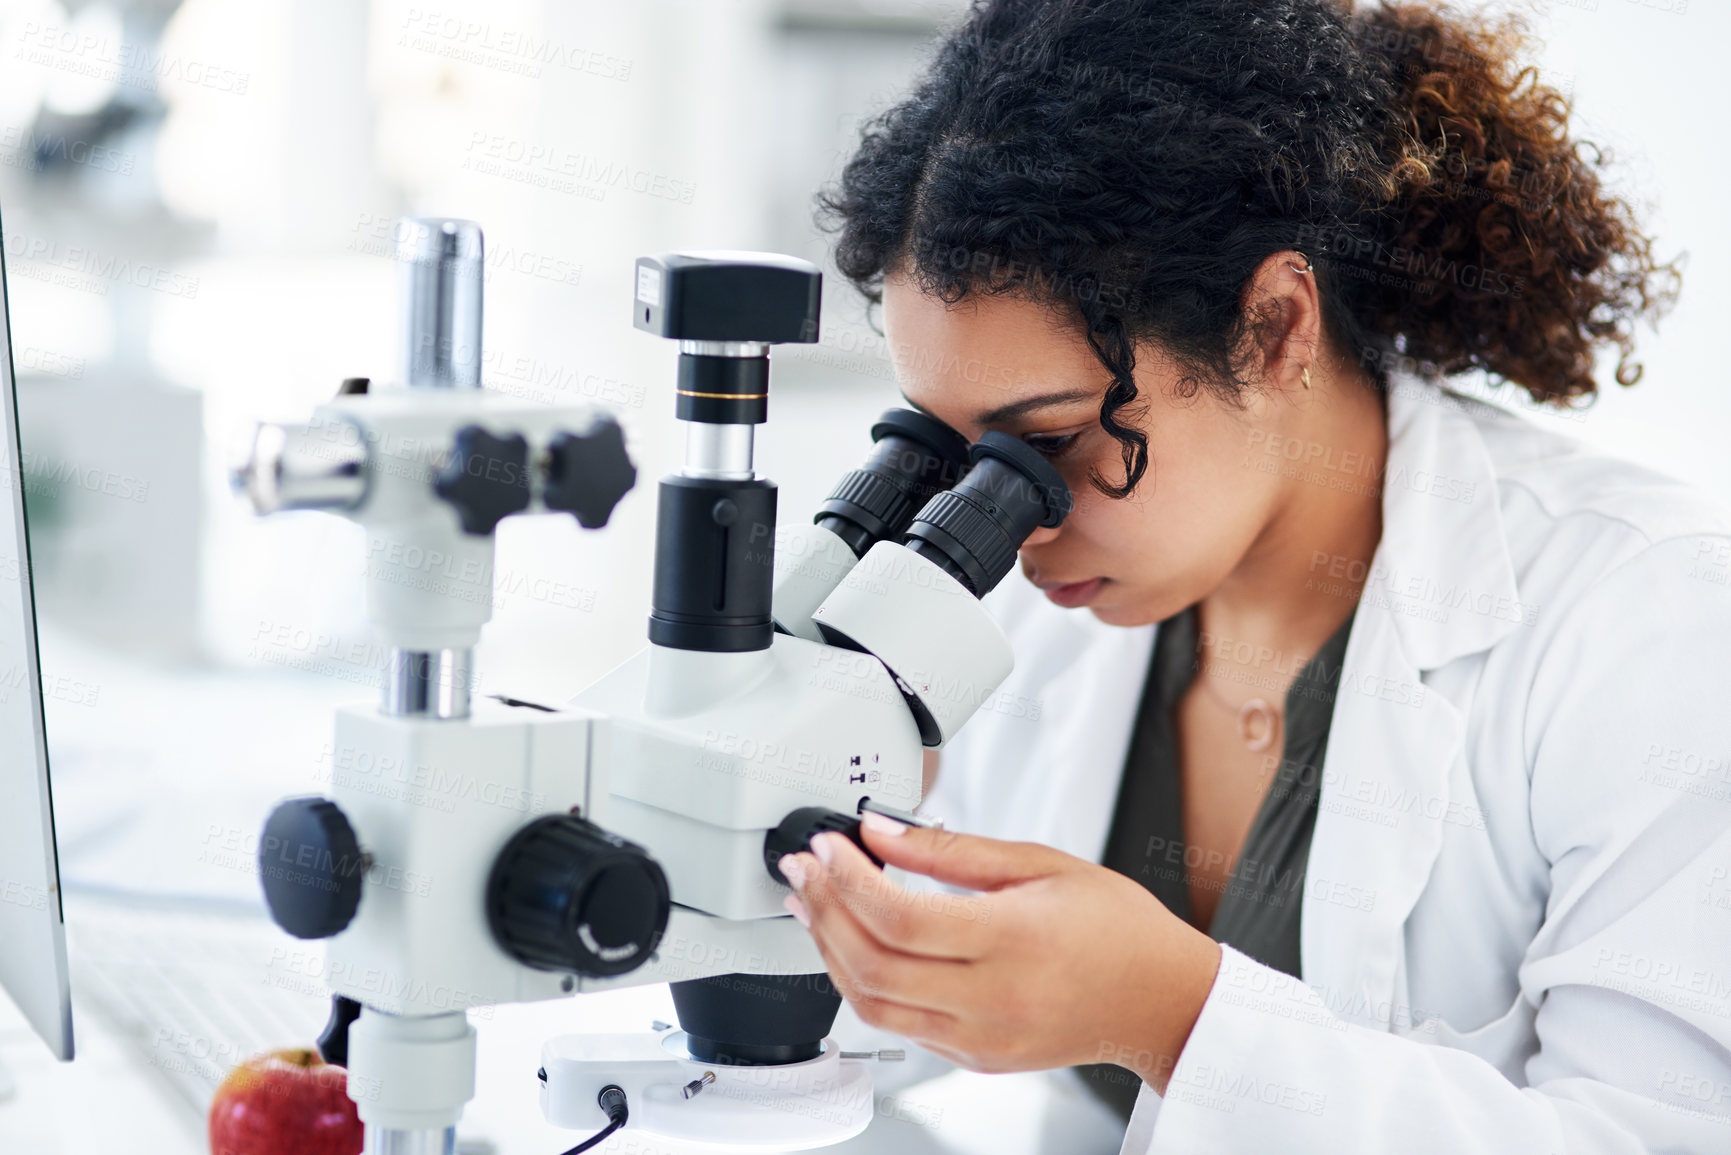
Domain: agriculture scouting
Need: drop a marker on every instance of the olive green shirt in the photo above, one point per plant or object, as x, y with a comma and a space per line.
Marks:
1259, 910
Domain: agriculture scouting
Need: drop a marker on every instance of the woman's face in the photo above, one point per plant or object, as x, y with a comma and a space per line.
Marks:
1016, 366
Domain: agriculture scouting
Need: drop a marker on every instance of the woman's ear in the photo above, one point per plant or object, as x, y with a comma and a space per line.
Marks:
1286, 315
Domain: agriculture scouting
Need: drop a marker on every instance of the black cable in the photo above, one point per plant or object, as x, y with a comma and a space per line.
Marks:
612, 1101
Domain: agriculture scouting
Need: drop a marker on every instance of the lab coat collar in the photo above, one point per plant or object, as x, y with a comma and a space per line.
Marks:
1443, 568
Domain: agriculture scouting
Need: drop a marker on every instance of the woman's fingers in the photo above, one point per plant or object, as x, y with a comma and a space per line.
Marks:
936, 925
916, 1023
880, 982
959, 859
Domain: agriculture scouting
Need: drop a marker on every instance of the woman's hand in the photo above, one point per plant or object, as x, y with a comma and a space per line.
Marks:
1059, 962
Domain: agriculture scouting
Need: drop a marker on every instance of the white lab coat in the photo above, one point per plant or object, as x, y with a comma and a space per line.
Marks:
1517, 910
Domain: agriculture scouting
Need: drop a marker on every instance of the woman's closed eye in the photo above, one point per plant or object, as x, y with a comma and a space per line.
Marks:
1051, 445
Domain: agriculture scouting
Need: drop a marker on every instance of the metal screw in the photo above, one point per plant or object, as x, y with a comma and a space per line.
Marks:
696, 1085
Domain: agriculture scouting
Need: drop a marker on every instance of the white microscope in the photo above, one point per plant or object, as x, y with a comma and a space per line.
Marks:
791, 682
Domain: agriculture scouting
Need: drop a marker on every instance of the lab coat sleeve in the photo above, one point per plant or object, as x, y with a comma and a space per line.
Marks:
1628, 741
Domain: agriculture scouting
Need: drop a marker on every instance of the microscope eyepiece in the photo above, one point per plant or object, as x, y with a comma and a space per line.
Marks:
974, 530
914, 457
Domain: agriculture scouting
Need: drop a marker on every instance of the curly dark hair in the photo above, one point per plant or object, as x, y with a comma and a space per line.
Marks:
1135, 161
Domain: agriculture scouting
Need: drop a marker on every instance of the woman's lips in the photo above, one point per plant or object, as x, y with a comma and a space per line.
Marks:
1075, 593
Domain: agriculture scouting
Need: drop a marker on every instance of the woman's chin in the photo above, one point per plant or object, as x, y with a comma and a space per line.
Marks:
1126, 612
1113, 614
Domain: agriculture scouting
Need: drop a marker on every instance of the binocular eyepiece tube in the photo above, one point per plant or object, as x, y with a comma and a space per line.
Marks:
914, 457
917, 488
972, 532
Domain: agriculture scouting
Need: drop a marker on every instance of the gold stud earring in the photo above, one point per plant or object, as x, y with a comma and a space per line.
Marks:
1305, 377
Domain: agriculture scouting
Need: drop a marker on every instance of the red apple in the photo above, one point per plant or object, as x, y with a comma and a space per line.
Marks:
285, 1103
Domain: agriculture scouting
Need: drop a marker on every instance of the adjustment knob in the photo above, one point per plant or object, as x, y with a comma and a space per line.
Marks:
587, 473
311, 866
334, 1039
800, 827
565, 895
485, 477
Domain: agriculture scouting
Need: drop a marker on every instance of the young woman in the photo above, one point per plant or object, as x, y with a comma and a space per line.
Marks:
1380, 799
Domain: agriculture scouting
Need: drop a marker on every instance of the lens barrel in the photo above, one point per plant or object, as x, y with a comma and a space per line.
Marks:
745, 1020
974, 530
915, 456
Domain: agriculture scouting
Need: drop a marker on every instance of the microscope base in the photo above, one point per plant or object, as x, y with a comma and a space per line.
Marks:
811, 1104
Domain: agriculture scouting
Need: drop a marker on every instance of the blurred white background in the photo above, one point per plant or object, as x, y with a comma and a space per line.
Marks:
197, 198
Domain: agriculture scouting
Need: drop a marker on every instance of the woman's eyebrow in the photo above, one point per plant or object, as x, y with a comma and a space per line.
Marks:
1028, 405
1020, 408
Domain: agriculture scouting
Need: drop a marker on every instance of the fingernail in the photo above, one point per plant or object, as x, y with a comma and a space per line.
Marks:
797, 908
881, 823
791, 869
824, 848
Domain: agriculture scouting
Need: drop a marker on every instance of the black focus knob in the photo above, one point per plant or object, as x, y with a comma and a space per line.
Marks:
485, 477
565, 895
311, 866
800, 827
587, 473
